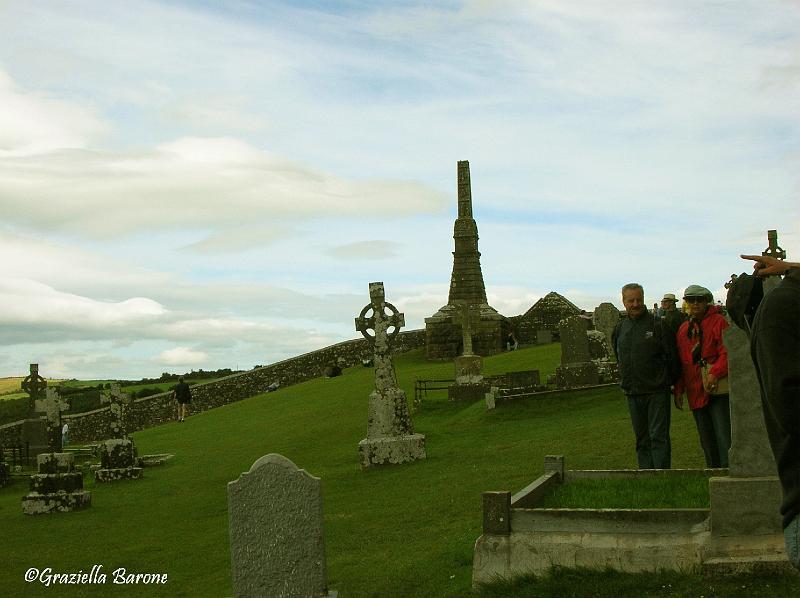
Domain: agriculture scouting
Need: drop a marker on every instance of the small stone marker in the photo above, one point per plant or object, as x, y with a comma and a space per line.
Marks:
119, 409
276, 532
390, 431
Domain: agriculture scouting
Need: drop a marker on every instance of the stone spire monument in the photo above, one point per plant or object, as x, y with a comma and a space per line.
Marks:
443, 334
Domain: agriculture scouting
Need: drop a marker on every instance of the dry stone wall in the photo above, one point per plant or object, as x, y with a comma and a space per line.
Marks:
158, 409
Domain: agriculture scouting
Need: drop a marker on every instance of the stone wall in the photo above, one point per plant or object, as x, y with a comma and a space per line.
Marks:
545, 314
158, 409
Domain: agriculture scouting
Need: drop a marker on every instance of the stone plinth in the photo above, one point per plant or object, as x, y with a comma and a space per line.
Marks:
467, 392
391, 450
573, 375
118, 461
468, 369
57, 487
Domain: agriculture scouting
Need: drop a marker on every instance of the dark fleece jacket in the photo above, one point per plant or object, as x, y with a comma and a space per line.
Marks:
775, 347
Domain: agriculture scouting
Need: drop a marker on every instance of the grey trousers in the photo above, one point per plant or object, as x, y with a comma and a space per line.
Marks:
714, 428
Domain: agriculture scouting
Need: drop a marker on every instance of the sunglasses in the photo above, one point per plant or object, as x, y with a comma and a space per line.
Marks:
696, 299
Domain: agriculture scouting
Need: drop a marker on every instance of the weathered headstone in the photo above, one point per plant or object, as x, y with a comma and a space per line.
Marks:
544, 337
576, 367
118, 455
605, 318
277, 540
390, 431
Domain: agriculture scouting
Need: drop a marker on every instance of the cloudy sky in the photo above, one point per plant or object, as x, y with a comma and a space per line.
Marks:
193, 184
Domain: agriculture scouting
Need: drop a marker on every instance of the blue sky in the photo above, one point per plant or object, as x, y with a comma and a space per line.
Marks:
196, 184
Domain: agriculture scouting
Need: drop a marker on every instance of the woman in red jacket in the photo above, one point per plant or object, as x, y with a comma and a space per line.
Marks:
700, 347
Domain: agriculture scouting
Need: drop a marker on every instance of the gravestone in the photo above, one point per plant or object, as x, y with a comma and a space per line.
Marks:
605, 318
275, 522
576, 367
390, 431
57, 486
544, 337
34, 429
118, 455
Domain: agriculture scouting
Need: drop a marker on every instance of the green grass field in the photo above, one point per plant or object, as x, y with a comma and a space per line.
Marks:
400, 531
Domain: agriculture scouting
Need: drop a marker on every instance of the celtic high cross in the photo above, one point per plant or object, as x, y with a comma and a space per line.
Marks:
380, 322
34, 385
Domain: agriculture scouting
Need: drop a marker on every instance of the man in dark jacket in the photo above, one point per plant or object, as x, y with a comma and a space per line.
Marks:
645, 350
775, 347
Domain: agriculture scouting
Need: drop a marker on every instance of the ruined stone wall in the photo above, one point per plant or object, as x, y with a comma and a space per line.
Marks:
544, 315
158, 409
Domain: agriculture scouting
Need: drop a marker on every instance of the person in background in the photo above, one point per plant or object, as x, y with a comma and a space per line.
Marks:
645, 351
184, 396
673, 317
775, 348
700, 347
511, 342
65, 434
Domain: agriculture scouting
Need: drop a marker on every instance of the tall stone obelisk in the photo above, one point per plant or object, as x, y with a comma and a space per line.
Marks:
443, 332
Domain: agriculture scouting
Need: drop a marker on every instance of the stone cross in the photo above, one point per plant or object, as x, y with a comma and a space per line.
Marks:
469, 316
275, 523
380, 322
34, 385
52, 405
120, 402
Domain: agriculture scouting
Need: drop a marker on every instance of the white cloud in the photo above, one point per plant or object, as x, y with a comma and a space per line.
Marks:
365, 250
32, 123
182, 356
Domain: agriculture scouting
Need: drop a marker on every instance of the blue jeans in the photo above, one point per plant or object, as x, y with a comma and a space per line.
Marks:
792, 536
650, 416
714, 428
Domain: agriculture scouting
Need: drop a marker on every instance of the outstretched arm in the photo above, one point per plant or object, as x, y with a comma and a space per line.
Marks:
766, 265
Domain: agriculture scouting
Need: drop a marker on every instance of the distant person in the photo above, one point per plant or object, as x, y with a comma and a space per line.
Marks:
704, 362
511, 342
775, 347
645, 352
672, 316
65, 434
657, 311
183, 395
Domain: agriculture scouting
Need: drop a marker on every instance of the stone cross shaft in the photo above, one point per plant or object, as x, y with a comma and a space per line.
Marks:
469, 316
34, 385
773, 249
380, 322
119, 412
52, 406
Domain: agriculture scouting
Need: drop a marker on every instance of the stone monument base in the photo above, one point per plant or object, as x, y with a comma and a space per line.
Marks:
39, 504
391, 450
468, 369
58, 487
467, 392
745, 516
118, 453
573, 375
119, 473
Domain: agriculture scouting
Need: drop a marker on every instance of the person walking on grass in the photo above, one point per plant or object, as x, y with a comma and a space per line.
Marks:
645, 352
183, 395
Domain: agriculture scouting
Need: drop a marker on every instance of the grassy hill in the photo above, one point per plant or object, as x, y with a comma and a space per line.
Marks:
401, 531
